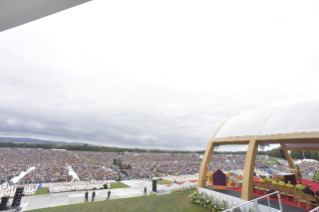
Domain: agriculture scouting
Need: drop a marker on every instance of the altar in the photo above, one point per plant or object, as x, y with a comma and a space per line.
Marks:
286, 177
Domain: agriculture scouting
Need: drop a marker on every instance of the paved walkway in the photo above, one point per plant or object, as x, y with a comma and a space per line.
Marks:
66, 198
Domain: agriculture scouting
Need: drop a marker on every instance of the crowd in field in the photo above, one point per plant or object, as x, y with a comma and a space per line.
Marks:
306, 167
13, 162
52, 165
49, 165
77, 186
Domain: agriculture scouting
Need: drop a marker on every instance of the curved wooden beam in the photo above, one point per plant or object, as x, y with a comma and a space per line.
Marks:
206, 159
288, 157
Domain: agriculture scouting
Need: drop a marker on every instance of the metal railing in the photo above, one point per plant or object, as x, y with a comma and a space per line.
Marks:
255, 202
315, 209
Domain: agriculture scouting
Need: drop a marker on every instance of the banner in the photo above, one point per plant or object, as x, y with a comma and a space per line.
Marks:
210, 178
228, 181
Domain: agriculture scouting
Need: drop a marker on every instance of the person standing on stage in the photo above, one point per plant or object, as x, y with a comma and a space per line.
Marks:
93, 196
86, 199
297, 170
109, 194
315, 176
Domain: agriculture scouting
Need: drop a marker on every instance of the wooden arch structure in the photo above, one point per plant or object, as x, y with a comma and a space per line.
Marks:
294, 127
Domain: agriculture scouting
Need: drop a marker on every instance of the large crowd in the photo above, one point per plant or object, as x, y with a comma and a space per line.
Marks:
52, 165
13, 162
306, 168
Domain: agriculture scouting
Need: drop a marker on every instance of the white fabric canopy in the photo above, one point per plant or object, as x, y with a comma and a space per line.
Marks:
293, 118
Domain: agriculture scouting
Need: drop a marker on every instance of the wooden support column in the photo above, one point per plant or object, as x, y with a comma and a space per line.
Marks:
203, 168
248, 176
289, 159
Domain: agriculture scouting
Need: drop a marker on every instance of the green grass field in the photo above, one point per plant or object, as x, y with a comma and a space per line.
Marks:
163, 182
44, 190
177, 202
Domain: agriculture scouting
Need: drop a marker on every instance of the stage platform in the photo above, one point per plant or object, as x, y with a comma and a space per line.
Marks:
289, 205
273, 203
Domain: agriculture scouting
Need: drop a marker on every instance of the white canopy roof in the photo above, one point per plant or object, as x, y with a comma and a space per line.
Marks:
14, 13
294, 118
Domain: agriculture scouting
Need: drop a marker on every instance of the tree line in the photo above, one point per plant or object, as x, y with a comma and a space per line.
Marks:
295, 154
85, 147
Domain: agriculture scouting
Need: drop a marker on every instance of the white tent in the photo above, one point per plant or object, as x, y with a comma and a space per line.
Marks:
294, 118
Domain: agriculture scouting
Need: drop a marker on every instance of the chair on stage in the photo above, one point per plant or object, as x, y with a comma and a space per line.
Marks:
261, 187
297, 194
273, 187
282, 190
299, 189
311, 200
289, 193
267, 187
219, 180
301, 199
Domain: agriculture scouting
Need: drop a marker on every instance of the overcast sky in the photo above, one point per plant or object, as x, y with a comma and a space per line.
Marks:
155, 74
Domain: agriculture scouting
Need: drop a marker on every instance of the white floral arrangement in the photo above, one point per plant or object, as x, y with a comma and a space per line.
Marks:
213, 203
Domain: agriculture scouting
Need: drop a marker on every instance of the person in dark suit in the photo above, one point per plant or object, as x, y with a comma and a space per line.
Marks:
109, 194
86, 199
307, 190
145, 191
93, 195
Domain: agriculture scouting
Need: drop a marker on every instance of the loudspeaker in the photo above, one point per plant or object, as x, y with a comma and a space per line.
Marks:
4, 202
105, 186
154, 185
17, 197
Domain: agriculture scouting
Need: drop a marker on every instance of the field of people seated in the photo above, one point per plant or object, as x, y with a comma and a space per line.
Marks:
52, 165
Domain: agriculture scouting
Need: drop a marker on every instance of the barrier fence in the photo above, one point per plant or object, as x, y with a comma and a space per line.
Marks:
255, 202
315, 209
